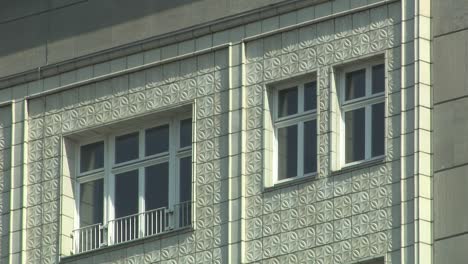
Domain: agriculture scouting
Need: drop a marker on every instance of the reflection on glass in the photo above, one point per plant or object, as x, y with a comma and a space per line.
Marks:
185, 132
91, 202
156, 186
92, 156
378, 79
287, 152
185, 170
287, 102
126, 147
310, 146
126, 193
355, 84
355, 135
310, 96
157, 140
378, 129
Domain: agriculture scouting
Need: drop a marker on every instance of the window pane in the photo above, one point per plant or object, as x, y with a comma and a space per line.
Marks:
287, 102
92, 156
126, 193
378, 129
185, 133
91, 202
287, 152
126, 147
156, 186
310, 96
310, 146
157, 140
355, 84
355, 135
185, 170
378, 79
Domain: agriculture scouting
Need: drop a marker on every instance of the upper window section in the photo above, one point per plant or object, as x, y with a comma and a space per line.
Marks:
157, 140
92, 156
126, 147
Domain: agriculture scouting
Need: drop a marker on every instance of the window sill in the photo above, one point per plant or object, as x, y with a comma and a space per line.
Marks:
290, 182
106, 249
361, 165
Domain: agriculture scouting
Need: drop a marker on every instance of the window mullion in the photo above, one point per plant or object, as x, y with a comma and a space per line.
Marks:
141, 198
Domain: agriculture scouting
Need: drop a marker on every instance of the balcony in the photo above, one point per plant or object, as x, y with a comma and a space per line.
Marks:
132, 227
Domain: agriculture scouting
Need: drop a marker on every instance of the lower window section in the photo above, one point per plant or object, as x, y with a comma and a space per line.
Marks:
287, 152
355, 123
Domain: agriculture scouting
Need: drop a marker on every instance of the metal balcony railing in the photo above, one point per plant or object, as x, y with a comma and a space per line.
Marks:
131, 227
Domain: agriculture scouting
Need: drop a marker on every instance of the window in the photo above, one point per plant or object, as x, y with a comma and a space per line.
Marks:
133, 184
363, 113
295, 129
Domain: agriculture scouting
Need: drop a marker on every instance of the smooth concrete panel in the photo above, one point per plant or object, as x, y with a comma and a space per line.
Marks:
450, 134
11, 10
450, 197
77, 28
449, 16
23, 44
451, 251
450, 66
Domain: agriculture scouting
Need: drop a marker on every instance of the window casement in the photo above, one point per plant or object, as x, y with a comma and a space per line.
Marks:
133, 184
362, 102
295, 129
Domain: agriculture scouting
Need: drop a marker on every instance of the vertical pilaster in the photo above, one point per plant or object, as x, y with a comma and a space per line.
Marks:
5, 182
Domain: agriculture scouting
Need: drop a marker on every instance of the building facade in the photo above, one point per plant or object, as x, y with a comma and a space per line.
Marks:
229, 132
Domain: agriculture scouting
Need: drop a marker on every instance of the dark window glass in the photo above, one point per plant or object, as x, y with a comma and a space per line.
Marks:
157, 140
310, 96
378, 129
186, 133
92, 156
157, 186
126, 147
378, 79
126, 193
310, 146
355, 135
185, 171
91, 202
287, 102
287, 152
355, 84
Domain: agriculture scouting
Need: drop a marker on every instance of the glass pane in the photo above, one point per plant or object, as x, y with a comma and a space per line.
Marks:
378, 129
186, 133
184, 208
310, 146
310, 96
157, 140
156, 186
355, 84
126, 193
185, 170
92, 156
126, 147
378, 79
287, 152
355, 123
91, 202
287, 102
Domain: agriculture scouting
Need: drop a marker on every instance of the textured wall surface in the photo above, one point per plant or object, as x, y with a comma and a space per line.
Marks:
338, 216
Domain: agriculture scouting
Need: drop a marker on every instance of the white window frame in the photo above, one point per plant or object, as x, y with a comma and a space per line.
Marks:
365, 102
110, 168
296, 119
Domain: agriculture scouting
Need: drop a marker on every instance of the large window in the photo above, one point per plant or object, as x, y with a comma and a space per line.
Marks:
295, 128
134, 183
363, 113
